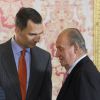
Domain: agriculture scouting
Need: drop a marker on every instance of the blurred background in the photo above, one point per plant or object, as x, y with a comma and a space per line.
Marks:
57, 15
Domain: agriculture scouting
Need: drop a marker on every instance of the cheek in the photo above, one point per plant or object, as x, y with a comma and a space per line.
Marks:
33, 38
30, 38
65, 56
69, 54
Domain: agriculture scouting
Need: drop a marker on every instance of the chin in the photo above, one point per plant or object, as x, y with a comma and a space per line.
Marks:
62, 64
32, 46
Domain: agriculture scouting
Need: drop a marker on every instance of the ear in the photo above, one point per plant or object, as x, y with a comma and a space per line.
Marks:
17, 29
76, 48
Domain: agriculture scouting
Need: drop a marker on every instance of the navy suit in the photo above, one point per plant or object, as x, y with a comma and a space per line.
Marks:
83, 83
40, 86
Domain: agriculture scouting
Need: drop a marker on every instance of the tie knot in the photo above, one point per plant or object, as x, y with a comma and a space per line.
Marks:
23, 52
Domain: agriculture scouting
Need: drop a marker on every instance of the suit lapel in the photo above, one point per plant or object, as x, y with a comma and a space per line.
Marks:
33, 80
66, 85
10, 67
64, 88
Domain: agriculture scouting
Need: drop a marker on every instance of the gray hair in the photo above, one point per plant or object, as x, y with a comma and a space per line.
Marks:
76, 37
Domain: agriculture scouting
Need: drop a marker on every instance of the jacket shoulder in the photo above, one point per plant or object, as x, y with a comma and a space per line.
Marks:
40, 50
4, 46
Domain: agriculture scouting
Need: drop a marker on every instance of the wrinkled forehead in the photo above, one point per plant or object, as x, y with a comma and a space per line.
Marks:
35, 28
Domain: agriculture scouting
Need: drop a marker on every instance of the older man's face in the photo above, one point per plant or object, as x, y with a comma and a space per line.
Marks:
65, 52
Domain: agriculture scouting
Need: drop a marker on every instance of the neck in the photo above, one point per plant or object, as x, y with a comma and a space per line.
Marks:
18, 42
79, 55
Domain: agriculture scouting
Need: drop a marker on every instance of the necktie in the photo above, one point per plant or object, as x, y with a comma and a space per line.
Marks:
22, 73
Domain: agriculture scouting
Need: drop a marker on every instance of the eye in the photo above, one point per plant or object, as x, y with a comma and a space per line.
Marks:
60, 49
33, 34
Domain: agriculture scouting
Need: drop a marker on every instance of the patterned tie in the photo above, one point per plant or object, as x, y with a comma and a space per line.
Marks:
22, 73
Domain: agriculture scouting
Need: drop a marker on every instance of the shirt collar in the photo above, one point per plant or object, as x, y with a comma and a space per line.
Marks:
73, 65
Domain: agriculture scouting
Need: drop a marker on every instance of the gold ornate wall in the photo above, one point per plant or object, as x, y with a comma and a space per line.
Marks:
97, 33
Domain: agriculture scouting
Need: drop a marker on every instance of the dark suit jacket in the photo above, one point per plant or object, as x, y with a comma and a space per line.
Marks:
40, 86
2, 94
83, 83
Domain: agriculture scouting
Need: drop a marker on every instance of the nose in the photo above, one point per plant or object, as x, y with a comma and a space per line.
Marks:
37, 38
41, 36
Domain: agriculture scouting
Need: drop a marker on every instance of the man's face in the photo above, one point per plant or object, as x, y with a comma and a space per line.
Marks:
28, 37
65, 52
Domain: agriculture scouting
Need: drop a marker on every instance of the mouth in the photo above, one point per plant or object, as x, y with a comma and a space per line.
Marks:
60, 60
33, 44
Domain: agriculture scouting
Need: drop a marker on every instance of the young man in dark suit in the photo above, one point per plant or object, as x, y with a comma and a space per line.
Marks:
83, 81
25, 69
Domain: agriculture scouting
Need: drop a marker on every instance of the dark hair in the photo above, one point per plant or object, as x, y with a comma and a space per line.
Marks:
76, 38
25, 14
